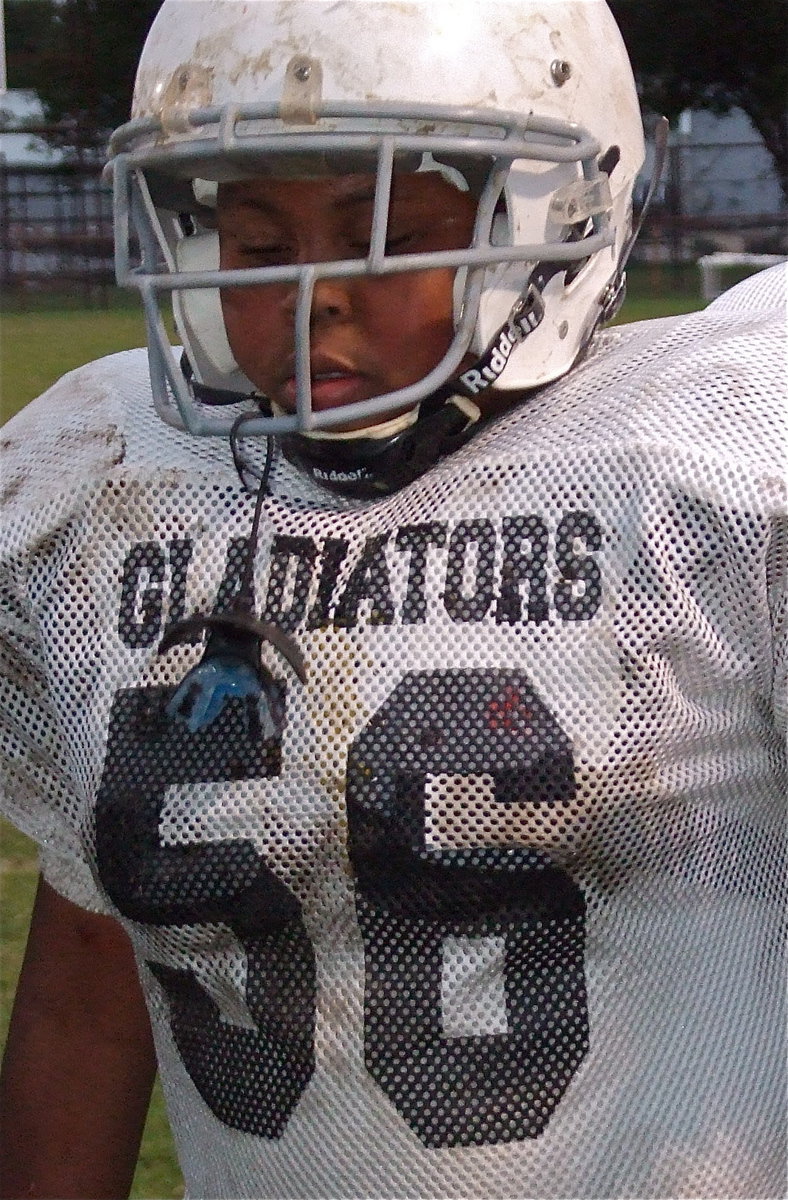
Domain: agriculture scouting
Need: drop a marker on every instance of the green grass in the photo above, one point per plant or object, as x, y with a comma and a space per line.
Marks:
660, 290
57, 342
17, 888
37, 345
41, 343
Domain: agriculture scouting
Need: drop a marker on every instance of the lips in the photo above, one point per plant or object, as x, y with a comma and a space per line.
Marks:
334, 383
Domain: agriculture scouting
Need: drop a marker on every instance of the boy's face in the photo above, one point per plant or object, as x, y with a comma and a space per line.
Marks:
370, 335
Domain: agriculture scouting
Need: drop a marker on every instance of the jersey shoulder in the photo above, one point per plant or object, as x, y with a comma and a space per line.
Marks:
91, 420
706, 386
72, 432
95, 424
764, 292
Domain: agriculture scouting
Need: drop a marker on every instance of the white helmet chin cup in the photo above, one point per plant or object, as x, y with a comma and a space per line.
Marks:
323, 80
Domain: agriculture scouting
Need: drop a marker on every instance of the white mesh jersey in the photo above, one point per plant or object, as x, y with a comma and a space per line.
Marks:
499, 914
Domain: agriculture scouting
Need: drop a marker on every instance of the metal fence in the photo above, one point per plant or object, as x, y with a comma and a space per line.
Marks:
56, 224
55, 231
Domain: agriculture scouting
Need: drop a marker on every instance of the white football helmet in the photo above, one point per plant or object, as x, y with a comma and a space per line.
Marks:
530, 104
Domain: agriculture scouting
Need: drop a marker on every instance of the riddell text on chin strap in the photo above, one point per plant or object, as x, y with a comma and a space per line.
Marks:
368, 468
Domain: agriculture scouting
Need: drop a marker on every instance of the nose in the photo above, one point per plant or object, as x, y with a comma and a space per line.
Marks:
330, 301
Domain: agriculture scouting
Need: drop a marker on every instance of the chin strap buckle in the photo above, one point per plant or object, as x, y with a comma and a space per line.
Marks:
466, 407
612, 298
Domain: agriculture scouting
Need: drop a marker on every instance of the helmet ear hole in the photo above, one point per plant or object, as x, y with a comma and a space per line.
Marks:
610, 160
501, 232
198, 313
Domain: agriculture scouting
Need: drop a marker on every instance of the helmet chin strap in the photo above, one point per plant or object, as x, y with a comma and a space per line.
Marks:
374, 462
380, 459
377, 461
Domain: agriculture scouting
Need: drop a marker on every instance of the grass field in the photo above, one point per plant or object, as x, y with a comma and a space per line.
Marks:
37, 345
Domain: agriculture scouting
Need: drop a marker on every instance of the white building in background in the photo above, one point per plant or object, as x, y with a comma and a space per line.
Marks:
55, 216
725, 169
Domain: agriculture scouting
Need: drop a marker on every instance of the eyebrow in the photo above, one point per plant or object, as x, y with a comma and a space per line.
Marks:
365, 195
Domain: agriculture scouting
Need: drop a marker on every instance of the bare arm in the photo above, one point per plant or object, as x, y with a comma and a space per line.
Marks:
79, 1062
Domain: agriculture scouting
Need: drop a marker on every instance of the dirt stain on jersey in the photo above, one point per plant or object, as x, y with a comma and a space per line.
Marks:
13, 487
79, 439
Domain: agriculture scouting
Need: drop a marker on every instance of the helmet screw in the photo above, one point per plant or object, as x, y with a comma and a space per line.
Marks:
561, 71
563, 329
303, 72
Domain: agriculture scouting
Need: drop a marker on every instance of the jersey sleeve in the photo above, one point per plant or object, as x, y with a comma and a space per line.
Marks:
48, 462
766, 292
38, 794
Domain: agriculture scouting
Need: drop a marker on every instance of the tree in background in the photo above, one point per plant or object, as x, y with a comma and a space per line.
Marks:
27, 32
80, 57
716, 55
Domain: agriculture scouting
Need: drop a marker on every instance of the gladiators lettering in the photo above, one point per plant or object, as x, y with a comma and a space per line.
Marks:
475, 570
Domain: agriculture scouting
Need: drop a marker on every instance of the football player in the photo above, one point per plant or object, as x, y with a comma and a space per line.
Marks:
392, 671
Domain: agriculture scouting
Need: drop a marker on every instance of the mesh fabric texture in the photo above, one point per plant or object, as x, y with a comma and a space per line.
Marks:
500, 913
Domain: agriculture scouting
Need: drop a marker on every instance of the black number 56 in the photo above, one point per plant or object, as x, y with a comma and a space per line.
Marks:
441, 883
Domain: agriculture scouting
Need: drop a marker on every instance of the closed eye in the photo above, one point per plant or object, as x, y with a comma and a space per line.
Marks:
400, 242
267, 255
395, 244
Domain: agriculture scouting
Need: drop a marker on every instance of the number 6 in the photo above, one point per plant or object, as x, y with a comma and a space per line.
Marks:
415, 900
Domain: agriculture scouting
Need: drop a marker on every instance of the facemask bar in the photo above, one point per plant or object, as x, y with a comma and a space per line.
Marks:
506, 137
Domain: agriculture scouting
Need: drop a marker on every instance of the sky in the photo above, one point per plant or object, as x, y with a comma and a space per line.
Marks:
20, 148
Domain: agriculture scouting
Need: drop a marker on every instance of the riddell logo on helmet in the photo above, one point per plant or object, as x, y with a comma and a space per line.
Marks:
525, 318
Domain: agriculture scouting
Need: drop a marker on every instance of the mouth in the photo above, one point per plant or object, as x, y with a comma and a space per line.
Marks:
333, 385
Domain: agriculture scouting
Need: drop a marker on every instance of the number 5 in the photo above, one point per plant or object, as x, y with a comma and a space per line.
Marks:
252, 1079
